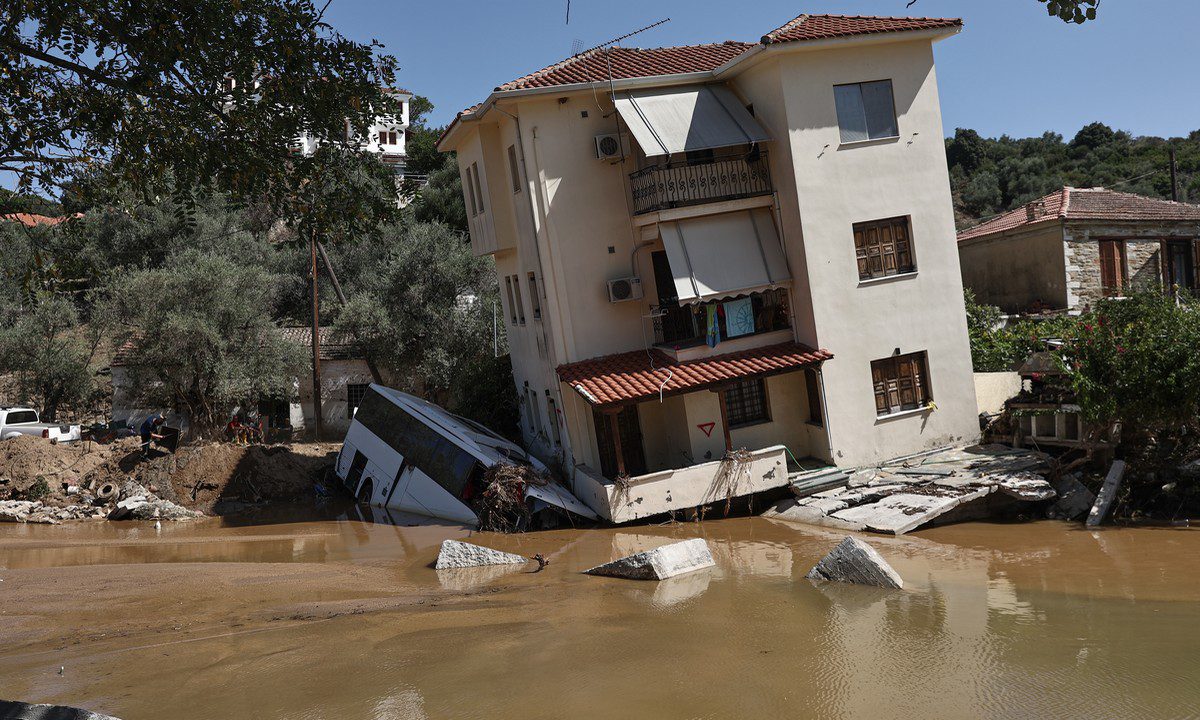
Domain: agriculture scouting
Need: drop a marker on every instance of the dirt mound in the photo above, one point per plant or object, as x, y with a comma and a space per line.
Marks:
204, 475
26, 459
197, 476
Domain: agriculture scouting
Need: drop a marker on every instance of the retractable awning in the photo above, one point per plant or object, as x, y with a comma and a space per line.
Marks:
699, 117
719, 256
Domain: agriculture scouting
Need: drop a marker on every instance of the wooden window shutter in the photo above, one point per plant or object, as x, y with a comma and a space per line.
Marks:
1108, 268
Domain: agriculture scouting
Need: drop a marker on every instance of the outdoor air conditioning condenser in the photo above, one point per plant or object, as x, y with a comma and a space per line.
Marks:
625, 289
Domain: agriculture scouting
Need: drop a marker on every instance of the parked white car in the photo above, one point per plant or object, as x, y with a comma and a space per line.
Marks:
16, 421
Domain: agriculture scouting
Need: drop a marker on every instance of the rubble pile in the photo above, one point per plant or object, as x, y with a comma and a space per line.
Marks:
946, 486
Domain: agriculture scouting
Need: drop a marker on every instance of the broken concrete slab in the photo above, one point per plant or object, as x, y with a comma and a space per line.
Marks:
25, 711
660, 563
854, 561
17, 510
789, 510
142, 507
902, 512
458, 554
1074, 499
941, 486
1108, 493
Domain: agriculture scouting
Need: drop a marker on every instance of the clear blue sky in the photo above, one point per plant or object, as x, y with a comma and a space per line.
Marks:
1012, 70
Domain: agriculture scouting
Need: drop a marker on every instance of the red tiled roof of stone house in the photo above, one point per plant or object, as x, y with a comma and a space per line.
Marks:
1097, 204
639, 374
33, 219
334, 346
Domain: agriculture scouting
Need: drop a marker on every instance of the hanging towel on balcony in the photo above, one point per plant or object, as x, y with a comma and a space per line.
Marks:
722, 256
713, 323
666, 121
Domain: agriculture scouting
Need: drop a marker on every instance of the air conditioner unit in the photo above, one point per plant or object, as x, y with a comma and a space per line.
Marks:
625, 289
608, 146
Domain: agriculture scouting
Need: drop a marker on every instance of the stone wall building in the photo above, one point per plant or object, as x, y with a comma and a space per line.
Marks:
1076, 245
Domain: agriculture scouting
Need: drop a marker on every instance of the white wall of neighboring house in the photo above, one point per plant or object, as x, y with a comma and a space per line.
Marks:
572, 224
336, 377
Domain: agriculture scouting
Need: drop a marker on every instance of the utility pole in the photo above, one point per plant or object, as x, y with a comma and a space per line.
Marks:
316, 338
1174, 181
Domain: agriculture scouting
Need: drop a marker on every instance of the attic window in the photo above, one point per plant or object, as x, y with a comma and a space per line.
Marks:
866, 111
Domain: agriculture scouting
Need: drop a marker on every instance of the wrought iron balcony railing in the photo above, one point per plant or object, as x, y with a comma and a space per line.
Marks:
679, 184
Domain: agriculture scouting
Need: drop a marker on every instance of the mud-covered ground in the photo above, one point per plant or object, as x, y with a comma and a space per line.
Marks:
209, 477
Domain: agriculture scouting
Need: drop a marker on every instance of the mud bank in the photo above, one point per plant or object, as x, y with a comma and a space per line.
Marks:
212, 478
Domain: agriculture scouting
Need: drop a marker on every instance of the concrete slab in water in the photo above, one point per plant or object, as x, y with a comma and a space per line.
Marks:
659, 563
457, 554
854, 561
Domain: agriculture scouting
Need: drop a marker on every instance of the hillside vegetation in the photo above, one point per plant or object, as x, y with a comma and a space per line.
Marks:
992, 175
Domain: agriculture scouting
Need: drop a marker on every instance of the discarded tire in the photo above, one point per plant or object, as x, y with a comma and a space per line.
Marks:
107, 491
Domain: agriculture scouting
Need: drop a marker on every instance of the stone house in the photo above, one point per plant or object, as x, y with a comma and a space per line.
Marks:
1076, 245
725, 246
345, 376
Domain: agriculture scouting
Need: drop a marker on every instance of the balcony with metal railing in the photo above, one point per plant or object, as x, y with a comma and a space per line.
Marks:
692, 182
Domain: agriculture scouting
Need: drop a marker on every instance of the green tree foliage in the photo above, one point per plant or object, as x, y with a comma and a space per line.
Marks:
441, 200
1072, 11
200, 334
997, 346
426, 310
1134, 361
47, 353
989, 176
142, 90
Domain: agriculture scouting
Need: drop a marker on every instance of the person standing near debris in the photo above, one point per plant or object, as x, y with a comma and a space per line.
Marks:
149, 431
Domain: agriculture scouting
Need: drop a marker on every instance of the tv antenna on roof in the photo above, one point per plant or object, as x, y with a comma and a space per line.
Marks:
616, 40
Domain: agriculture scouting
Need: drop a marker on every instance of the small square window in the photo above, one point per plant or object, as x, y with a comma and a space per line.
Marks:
354, 397
901, 383
866, 111
883, 248
746, 403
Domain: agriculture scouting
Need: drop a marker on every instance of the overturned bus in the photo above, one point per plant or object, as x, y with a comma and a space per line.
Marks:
405, 453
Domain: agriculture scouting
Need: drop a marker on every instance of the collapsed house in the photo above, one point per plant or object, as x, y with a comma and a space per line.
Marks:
715, 247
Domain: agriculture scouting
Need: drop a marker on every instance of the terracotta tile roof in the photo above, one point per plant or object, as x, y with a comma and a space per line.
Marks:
333, 346
1098, 204
630, 62
821, 27
32, 219
637, 375
593, 65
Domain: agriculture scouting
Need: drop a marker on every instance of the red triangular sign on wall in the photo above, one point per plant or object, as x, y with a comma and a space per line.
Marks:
707, 428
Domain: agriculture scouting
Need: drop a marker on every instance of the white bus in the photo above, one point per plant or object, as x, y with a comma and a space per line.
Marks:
405, 453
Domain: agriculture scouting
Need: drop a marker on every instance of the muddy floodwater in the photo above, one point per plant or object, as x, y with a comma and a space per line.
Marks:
322, 619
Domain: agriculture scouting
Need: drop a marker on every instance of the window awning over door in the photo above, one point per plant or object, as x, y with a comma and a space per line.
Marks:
719, 256
666, 121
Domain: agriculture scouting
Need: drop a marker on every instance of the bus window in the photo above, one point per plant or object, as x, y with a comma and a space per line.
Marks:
450, 466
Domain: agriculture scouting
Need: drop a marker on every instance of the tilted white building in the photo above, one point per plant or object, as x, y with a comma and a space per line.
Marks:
724, 246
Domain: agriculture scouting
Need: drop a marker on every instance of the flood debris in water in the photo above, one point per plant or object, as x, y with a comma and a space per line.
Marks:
854, 561
660, 563
1108, 493
458, 554
946, 486
24, 711
1074, 499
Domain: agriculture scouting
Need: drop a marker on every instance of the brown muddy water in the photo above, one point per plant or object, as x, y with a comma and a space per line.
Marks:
337, 619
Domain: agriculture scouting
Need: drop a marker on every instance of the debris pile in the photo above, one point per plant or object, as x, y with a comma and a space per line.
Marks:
50, 483
501, 505
660, 563
854, 561
946, 486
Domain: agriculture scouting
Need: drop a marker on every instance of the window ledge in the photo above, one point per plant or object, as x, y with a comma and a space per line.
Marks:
903, 413
871, 141
752, 423
887, 278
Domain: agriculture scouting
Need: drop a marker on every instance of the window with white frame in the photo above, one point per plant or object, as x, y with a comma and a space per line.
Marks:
866, 111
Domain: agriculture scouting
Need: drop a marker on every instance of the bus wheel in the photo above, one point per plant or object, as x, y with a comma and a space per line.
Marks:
365, 491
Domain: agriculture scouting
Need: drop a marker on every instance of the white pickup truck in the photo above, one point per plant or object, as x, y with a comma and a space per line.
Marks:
16, 421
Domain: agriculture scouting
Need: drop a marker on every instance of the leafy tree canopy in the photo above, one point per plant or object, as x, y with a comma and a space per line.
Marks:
208, 91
